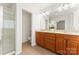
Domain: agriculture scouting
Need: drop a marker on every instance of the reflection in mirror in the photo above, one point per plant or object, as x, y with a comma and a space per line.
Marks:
57, 22
61, 25
67, 19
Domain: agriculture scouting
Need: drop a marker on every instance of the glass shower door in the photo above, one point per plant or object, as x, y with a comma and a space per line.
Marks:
8, 33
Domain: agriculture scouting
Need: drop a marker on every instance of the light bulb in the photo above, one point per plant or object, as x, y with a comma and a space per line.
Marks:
66, 6
60, 9
47, 13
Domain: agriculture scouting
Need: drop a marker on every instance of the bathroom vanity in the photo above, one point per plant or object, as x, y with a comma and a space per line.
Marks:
65, 43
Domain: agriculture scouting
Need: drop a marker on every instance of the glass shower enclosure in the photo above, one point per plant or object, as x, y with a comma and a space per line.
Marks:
7, 28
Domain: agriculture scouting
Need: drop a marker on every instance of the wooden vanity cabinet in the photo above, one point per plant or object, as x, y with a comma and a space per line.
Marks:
40, 38
50, 41
60, 44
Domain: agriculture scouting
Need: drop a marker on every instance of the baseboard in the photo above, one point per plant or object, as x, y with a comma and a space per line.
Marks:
33, 44
24, 41
11, 53
18, 53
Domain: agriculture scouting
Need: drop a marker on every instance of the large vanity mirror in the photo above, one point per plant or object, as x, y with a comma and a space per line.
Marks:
64, 18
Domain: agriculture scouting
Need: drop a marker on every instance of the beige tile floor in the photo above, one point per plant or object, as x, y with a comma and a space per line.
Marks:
27, 49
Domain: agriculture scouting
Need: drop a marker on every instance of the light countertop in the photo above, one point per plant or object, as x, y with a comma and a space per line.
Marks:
59, 31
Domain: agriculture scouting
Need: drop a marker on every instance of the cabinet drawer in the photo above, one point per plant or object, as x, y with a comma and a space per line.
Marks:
50, 35
59, 35
71, 37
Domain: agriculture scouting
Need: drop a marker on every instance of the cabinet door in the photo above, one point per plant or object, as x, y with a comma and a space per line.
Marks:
71, 47
50, 43
61, 45
78, 49
40, 38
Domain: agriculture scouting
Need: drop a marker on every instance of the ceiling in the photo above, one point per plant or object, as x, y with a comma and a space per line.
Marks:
35, 7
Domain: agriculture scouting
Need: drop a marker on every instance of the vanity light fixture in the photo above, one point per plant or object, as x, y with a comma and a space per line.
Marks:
47, 12
61, 8
65, 7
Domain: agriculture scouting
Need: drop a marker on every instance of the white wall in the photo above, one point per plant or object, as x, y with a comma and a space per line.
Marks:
18, 28
69, 23
72, 21
76, 20
26, 25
